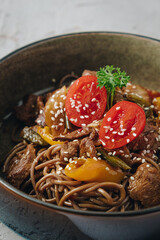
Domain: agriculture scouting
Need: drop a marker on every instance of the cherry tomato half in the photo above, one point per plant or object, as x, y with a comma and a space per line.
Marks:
85, 101
122, 123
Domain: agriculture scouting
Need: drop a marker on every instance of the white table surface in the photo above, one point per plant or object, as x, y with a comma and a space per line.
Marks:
26, 21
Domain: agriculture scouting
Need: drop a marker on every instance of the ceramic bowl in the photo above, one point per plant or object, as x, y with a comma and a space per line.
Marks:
31, 69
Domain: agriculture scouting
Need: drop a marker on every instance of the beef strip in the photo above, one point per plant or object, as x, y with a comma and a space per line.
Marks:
19, 168
145, 185
27, 112
87, 148
77, 134
147, 140
69, 150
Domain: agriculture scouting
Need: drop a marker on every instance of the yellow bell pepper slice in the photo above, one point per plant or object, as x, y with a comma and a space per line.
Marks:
91, 170
46, 135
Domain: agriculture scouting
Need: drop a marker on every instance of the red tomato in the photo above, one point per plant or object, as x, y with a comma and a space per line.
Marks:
122, 123
85, 101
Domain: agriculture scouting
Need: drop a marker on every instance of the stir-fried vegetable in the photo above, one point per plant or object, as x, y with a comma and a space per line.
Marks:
156, 102
46, 135
54, 111
30, 135
90, 170
113, 160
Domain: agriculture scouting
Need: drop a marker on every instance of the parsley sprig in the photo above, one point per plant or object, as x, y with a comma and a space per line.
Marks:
110, 78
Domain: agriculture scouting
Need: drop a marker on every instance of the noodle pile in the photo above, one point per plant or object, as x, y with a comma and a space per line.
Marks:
49, 183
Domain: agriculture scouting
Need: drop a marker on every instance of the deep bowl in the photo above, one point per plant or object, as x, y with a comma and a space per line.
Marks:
31, 69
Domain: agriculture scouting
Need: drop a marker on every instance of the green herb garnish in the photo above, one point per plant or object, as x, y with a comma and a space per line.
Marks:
110, 78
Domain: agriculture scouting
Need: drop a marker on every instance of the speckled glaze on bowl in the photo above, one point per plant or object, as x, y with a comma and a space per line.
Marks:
31, 69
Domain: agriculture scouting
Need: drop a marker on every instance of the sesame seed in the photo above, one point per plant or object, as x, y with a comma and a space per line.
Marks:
82, 117
115, 122
143, 160
134, 134
94, 158
113, 140
144, 151
148, 146
52, 118
60, 124
65, 159
121, 151
133, 128
83, 124
114, 153
114, 132
38, 121
117, 108
128, 140
109, 153
93, 112
145, 139
52, 112
126, 155
88, 155
147, 165
103, 143
61, 120
132, 178
139, 159
107, 137
86, 116
107, 168
86, 105
93, 100
109, 119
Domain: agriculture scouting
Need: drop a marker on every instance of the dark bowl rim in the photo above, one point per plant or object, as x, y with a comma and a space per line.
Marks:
32, 44
4, 184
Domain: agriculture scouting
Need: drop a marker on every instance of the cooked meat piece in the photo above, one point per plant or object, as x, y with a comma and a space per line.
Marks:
88, 72
80, 133
69, 149
147, 140
27, 112
93, 135
41, 116
87, 148
19, 168
144, 185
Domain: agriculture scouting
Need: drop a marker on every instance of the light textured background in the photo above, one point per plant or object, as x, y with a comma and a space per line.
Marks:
26, 21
